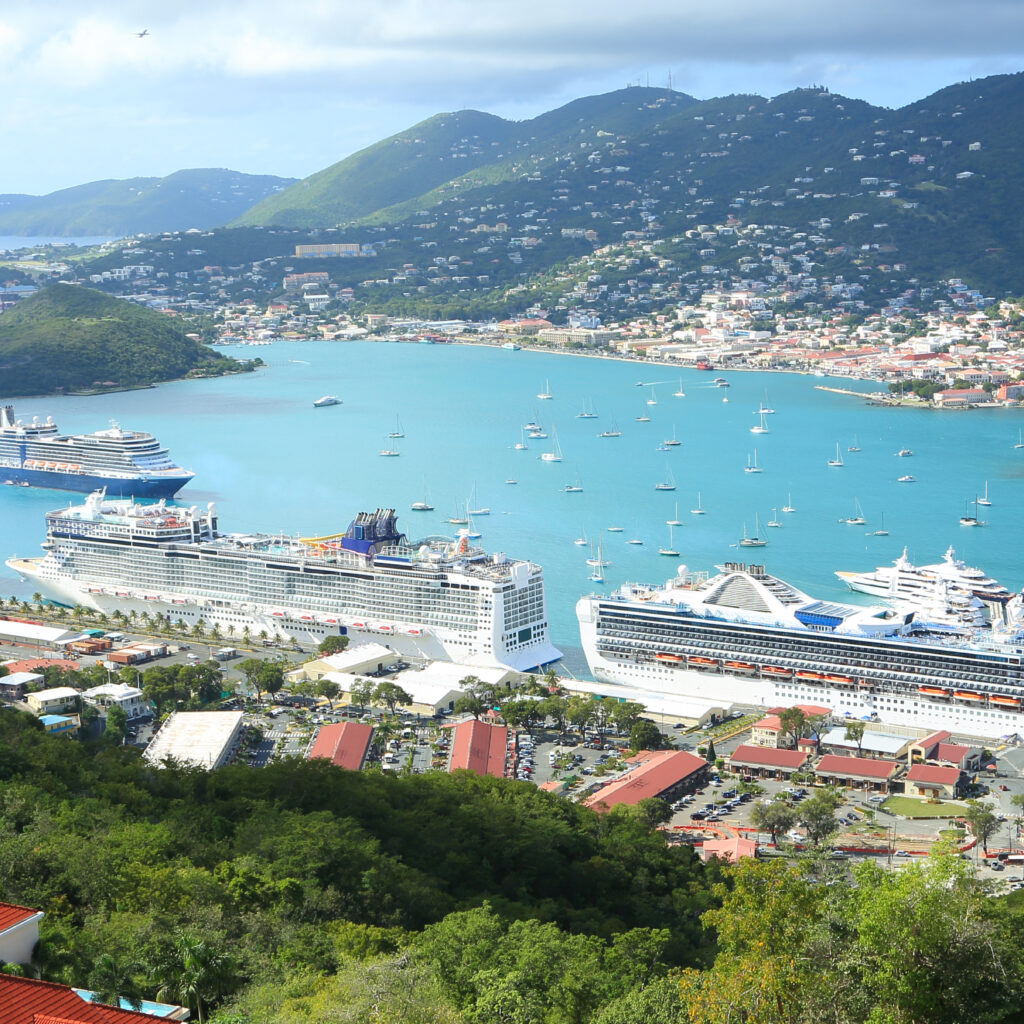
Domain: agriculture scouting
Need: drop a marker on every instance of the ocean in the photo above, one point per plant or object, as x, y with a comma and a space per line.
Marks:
271, 461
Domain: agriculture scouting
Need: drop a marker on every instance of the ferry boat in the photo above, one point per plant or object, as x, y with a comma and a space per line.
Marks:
863, 662
125, 462
439, 598
325, 401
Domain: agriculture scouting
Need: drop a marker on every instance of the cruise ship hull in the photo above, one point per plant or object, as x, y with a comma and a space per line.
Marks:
115, 487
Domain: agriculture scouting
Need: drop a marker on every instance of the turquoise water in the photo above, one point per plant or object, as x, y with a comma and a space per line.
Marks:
273, 462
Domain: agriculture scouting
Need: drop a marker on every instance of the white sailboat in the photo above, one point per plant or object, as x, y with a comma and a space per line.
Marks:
670, 551
581, 540
397, 432
668, 484
789, 506
699, 510
635, 539
774, 521
968, 520
521, 445
555, 455
760, 428
390, 452
653, 400
853, 447
837, 462
471, 511
676, 521
857, 519
984, 500
598, 562
752, 466
753, 542
612, 431
587, 413
680, 393
881, 531
574, 488
643, 417
765, 410
545, 395
671, 442
1020, 440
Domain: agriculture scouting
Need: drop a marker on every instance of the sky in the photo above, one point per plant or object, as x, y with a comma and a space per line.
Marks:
272, 88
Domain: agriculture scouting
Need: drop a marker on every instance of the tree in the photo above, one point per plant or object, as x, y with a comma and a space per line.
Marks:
361, 694
471, 703
653, 811
709, 754
645, 735
114, 981
791, 725
251, 669
332, 645
391, 696
855, 732
625, 713
814, 725
271, 677
194, 974
579, 711
329, 689
773, 818
819, 815
117, 723
981, 821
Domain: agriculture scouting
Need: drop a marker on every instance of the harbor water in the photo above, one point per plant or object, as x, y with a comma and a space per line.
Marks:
273, 462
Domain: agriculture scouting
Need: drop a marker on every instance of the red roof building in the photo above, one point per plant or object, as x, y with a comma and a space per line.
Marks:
480, 748
28, 1001
850, 772
345, 744
19, 933
657, 773
39, 664
730, 850
766, 761
933, 781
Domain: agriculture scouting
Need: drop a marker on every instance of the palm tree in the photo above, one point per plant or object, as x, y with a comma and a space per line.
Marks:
113, 982
37, 599
194, 974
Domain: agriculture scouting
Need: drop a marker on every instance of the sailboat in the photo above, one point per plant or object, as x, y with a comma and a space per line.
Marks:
774, 521
752, 466
470, 532
587, 414
789, 507
680, 393
643, 417
653, 400
968, 520
389, 452
397, 432
422, 506
599, 561
581, 540
760, 428
470, 511
765, 410
636, 530
670, 551
668, 484
984, 500
612, 431
881, 531
857, 519
677, 521
755, 541
545, 395
671, 442
575, 488
555, 455
699, 510
837, 462
1020, 440
853, 447
459, 519
521, 445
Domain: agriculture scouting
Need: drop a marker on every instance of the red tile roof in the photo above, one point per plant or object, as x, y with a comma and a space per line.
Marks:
767, 757
28, 1001
856, 767
953, 752
479, 747
728, 849
655, 772
929, 741
38, 664
768, 722
344, 744
807, 709
933, 774
11, 914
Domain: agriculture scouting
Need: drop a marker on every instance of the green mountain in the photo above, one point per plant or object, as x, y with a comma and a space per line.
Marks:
400, 172
67, 338
200, 198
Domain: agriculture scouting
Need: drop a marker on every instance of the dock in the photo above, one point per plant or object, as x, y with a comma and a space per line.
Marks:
872, 397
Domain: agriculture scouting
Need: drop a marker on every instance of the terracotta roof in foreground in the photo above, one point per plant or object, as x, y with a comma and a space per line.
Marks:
344, 744
28, 1001
479, 747
933, 774
11, 914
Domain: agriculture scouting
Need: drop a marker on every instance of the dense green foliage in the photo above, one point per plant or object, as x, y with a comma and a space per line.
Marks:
200, 198
66, 338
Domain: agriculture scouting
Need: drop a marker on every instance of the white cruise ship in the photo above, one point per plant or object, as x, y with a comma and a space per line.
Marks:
744, 636
922, 584
439, 599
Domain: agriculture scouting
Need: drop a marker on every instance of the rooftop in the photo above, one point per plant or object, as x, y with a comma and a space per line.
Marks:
654, 772
856, 767
767, 757
195, 737
29, 1001
11, 914
933, 774
479, 747
344, 744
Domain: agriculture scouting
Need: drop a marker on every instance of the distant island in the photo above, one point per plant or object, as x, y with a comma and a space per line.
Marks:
67, 338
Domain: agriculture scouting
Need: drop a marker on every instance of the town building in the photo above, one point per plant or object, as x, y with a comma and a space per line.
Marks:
730, 850
666, 774
61, 725
19, 933
31, 1001
206, 739
856, 772
346, 744
961, 398
361, 659
766, 762
128, 698
34, 634
871, 744
14, 684
935, 782
480, 748
937, 748
53, 701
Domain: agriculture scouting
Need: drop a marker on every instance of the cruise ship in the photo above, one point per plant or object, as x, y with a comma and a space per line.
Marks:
126, 463
438, 598
745, 636
904, 581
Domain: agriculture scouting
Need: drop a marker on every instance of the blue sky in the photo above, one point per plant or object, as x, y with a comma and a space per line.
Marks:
265, 87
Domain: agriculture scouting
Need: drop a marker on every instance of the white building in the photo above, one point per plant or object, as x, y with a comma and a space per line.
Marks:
207, 739
52, 701
19, 933
128, 698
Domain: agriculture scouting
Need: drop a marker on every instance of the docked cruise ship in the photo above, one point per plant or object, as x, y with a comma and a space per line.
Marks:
745, 636
438, 598
126, 463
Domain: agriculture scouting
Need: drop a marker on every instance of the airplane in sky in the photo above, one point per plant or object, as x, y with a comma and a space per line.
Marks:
144, 32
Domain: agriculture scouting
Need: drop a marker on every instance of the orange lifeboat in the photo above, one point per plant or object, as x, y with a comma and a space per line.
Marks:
671, 659
1007, 702
776, 670
933, 691
969, 695
839, 679
694, 660
741, 666
815, 677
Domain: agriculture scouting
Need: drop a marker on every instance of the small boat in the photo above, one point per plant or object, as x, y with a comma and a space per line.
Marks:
968, 520
575, 488
643, 417
545, 395
752, 466
699, 510
906, 479
755, 541
720, 382
881, 531
521, 445
612, 431
598, 561
837, 462
635, 539
325, 401
587, 414
653, 400
725, 398
421, 506
532, 425
760, 428
397, 432
671, 442
670, 551
765, 410
615, 529
580, 542
511, 481
470, 511
677, 521
984, 499
680, 393
789, 506
904, 453
668, 484
555, 455
1020, 440
390, 453
774, 521
857, 519
537, 435
854, 447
